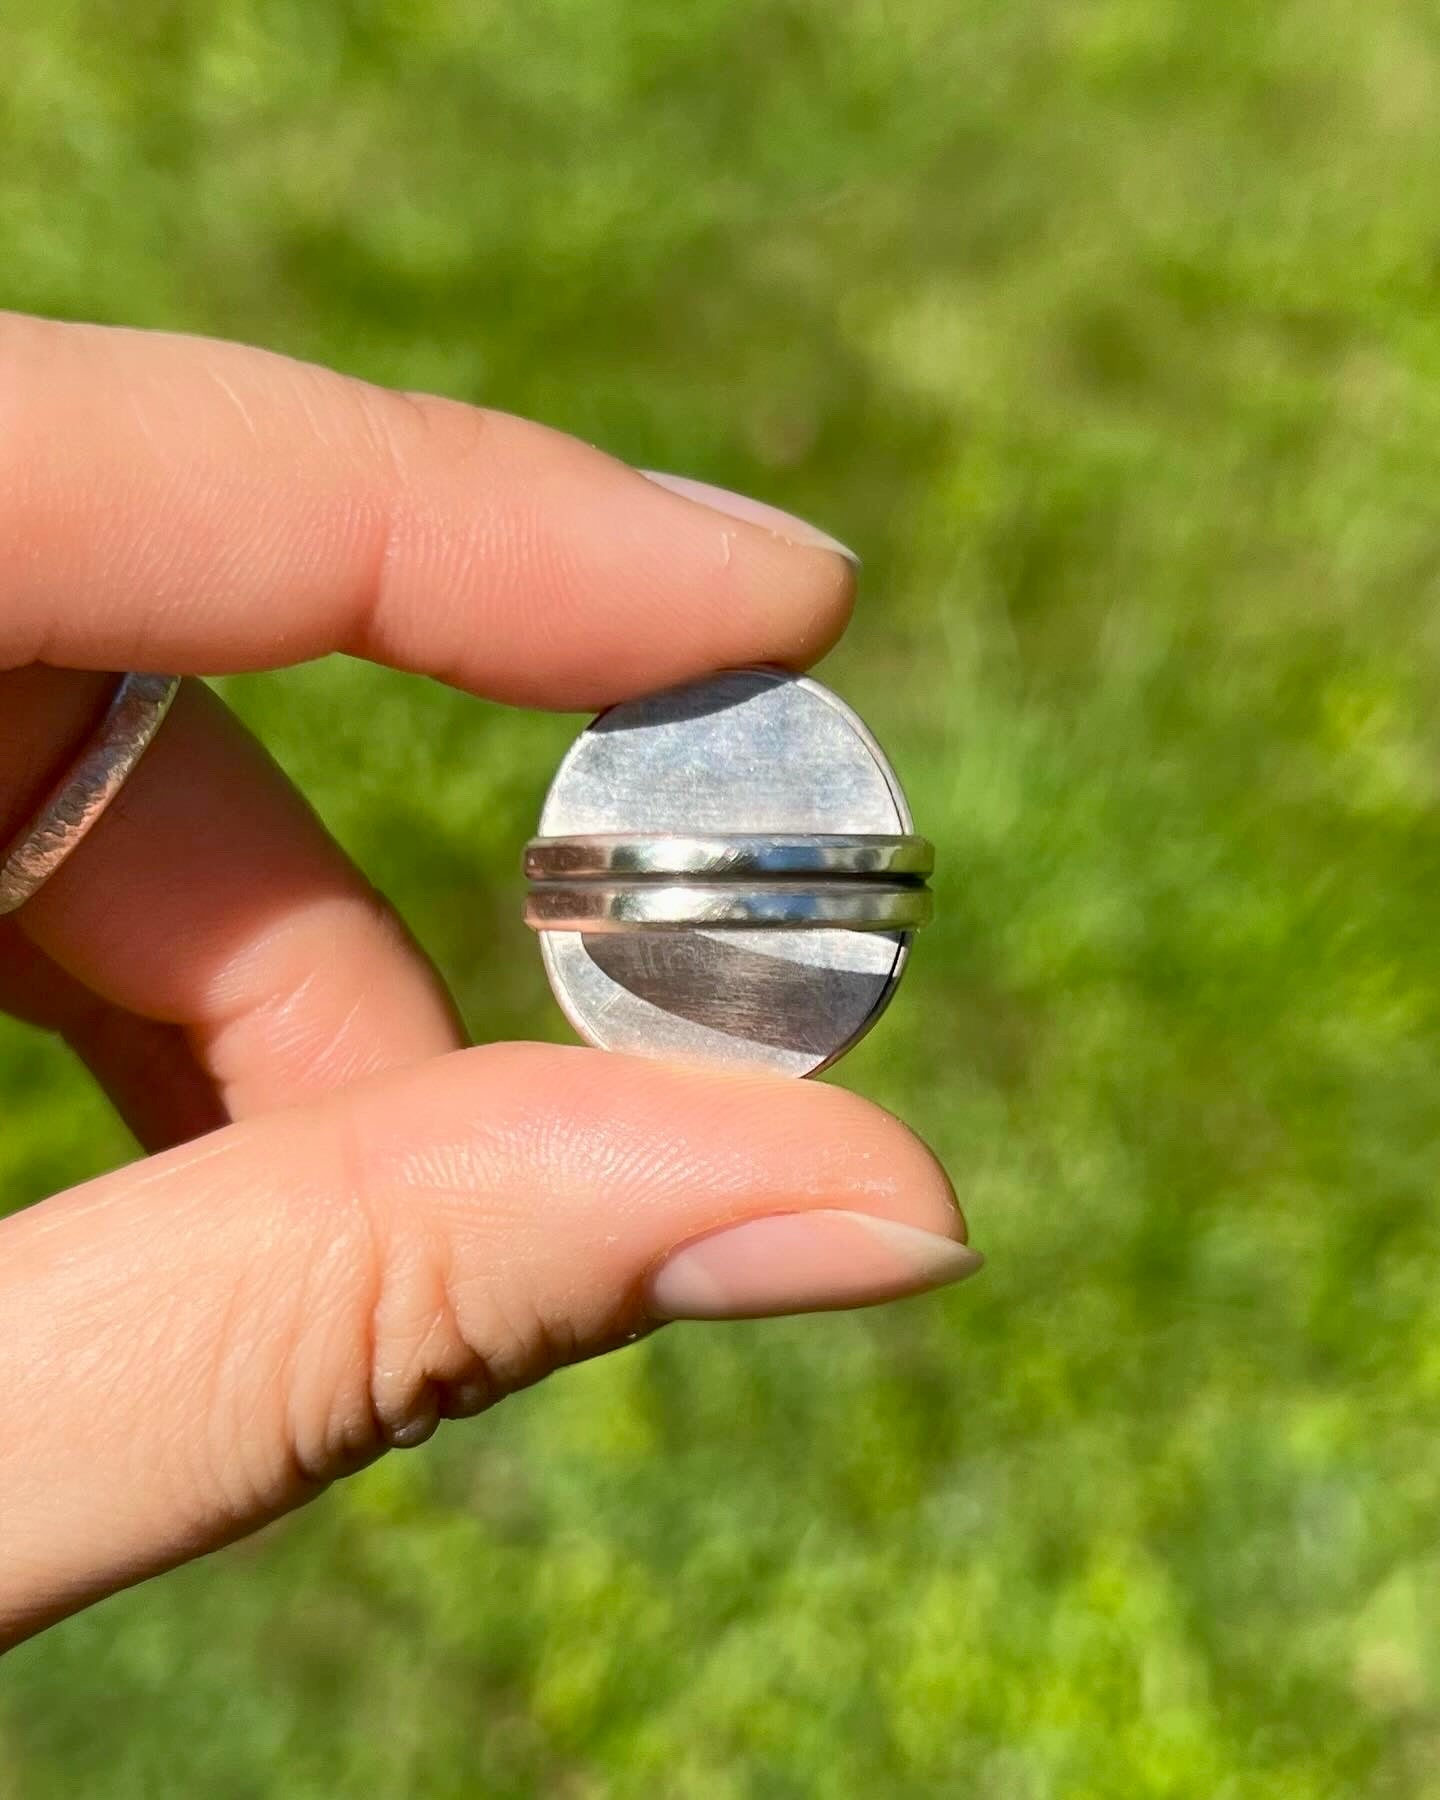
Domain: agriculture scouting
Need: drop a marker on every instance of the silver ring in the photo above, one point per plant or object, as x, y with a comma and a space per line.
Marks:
594, 906
725, 856
79, 799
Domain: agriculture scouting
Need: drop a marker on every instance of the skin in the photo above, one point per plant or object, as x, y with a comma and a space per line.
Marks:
351, 1226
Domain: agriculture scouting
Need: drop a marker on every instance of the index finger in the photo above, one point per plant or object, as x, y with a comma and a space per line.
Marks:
179, 503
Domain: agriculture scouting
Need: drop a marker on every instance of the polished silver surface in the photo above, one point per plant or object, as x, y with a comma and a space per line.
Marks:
597, 906
637, 855
752, 753
78, 800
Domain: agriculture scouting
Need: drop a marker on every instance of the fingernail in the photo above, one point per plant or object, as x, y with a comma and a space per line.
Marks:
753, 512
804, 1262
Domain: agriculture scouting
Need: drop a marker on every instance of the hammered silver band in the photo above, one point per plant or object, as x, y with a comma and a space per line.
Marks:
78, 800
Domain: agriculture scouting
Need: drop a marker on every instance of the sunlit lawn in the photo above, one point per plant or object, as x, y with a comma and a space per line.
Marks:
1108, 333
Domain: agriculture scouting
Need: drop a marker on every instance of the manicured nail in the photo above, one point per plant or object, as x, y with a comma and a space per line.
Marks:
753, 512
803, 1262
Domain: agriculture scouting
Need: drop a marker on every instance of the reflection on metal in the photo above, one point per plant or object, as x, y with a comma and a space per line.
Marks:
719, 856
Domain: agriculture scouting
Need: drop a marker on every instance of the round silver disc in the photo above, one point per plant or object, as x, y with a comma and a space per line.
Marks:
753, 751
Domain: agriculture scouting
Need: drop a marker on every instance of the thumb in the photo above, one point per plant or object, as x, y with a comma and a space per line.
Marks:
199, 1343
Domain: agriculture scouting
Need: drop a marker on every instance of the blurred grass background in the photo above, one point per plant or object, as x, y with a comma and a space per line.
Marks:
1107, 331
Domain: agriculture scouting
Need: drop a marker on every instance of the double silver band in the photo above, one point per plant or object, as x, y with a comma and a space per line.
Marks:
79, 799
729, 856
728, 881
603, 906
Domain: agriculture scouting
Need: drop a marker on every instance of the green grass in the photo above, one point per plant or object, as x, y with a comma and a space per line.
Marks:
1109, 331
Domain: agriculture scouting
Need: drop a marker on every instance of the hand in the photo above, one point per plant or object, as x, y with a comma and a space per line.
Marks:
354, 1227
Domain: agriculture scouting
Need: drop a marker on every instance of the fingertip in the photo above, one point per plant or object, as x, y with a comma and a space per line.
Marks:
901, 1172
680, 1138
798, 581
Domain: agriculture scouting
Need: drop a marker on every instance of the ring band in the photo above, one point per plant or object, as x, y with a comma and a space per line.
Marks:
79, 799
726, 856
594, 906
